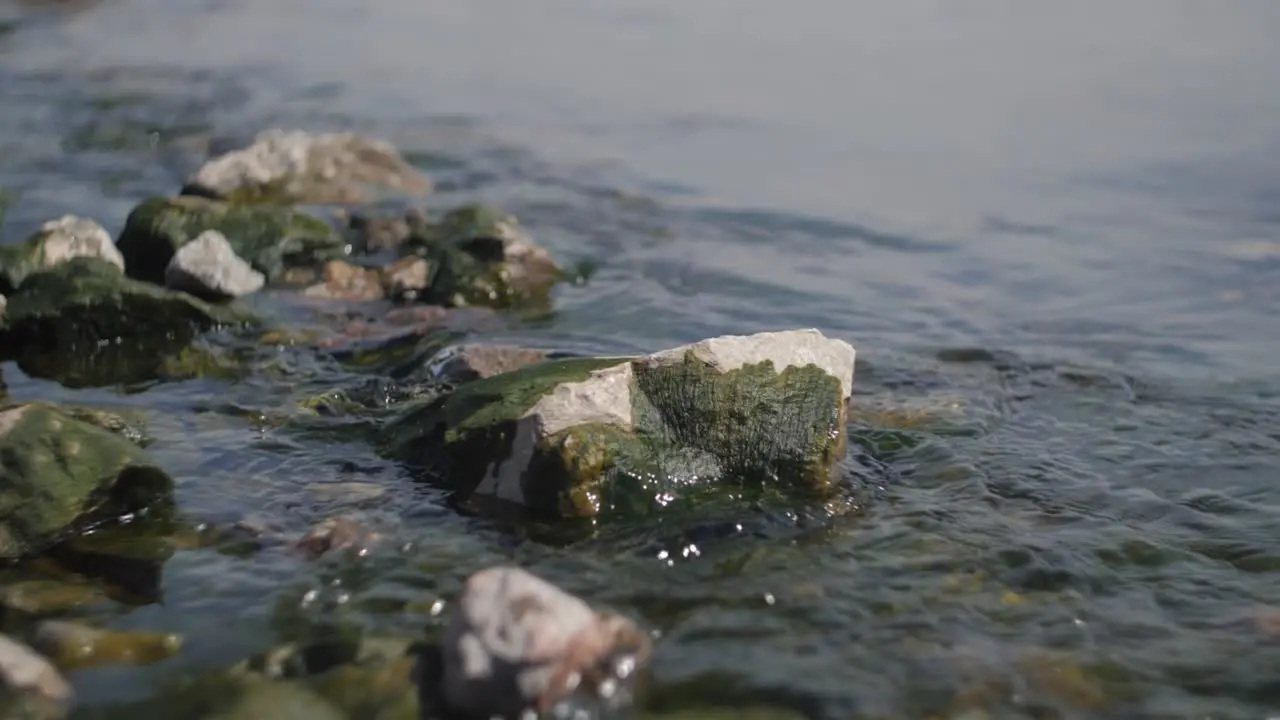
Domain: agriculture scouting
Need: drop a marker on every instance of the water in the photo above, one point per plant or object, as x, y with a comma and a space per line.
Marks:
1055, 226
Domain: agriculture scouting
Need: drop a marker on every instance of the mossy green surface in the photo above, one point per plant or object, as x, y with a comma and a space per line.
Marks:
73, 310
694, 427
58, 474
466, 250
271, 238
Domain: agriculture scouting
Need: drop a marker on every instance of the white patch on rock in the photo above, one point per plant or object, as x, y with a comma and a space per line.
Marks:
23, 670
9, 418
324, 167
515, 642
604, 397
787, 348
209, 267
70, 237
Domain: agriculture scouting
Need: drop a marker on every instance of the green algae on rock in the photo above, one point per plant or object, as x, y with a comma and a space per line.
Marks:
84, 307
586, 437
73, 645
60, 475
56, 242
480, 255
270, 238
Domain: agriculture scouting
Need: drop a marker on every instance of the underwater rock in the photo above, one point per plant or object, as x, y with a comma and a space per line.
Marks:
56, 242
374, 234
209, 268
270, 238
24, 672
480, 255
74, 645
351, 283
41, 597
85, 307
586, 437
294, 166
60, 474
515, 642
464, 363
336, 533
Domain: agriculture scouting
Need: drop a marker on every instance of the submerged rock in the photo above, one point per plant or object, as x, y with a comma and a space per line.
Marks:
209, 268
407, 278
271, 239
27, 677
74, 307
294, 166
464, 363
480, 255
516, 643
60, 474
56, 242
73, 645
336, 533
593, 436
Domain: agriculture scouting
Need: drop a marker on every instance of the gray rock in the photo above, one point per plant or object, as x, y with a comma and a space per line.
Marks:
208, 267
3, 304
297, 166
516, 642
56, 242
23, 671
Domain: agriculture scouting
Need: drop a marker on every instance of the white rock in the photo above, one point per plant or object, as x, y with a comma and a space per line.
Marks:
70, 237
516, 642
23, 670
307, 167
209, 267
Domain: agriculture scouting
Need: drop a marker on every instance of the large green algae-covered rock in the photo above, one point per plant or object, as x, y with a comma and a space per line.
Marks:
479, 255
602, 436
86, 301
270, 238
56, 242
58, 474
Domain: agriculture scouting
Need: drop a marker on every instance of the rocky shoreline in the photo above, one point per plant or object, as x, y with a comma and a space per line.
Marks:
506, 431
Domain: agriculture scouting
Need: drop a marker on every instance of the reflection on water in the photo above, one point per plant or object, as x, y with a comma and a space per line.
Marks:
1053, 228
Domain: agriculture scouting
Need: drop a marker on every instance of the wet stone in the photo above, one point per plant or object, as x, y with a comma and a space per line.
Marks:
272, 239
586, 437
516, 643
464, 363
209, 268
73, 645
337, 533
48, 597
347, 282
294, 166
27, 674
59, 474
375, 234
407, 278
56, 242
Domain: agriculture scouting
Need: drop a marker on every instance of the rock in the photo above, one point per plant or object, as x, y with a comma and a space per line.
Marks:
209, 268
23, 671
338, 533
73, 645
56, 242
41, 597
375, 234
407, 278
480, 255
293, 166
601, 436
4, 303
60, 474
271, 239
83, 303
464, 363
344, 281
516, 643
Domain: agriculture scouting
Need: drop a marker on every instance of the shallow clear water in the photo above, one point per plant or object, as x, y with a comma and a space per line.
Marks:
1057, 226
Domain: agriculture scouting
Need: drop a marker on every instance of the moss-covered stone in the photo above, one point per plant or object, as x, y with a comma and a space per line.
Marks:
270, 238
615, 436
85, 307
72, 645
54, 243
479, 255
58, 474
